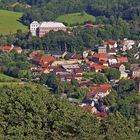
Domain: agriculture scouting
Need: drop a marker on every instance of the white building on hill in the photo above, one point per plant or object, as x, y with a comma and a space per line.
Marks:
43, 28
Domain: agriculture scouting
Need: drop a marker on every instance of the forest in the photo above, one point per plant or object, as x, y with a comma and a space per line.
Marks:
29, 111
50, 9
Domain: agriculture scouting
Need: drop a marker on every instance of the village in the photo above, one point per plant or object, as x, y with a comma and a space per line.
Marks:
108, 61
68, 66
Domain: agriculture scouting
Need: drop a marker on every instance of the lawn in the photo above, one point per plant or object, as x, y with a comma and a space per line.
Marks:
9, 22
72, 19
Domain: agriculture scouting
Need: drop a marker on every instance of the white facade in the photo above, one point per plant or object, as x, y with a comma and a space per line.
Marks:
33, 28
44, 27
112, 61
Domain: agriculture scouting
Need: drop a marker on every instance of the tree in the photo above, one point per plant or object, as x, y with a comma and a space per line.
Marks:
29, 112
82, 92
99, 78
126, 86
112, 74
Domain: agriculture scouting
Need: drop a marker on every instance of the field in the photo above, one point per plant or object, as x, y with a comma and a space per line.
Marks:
9, 22
72, 19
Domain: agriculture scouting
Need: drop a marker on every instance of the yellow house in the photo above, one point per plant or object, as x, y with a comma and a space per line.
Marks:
123, 75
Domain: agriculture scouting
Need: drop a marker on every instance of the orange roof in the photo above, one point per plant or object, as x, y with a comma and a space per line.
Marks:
103, 86
87, 107
5, 48
46, 60
100, 56
98, 66
17, 48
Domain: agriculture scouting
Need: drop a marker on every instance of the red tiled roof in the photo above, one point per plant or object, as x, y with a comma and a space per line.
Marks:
106, 43
87, 107
5, 48
17, 48
46, 60
102, 114
78, 71
100, 56
98, 67
103, 62
112, 50
122, 59
58, 69
101, 87
76, 56
116, 65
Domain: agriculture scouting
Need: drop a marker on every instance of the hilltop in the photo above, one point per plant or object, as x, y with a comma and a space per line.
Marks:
76, 18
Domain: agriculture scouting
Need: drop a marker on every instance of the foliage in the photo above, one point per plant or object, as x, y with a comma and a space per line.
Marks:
82, 92
112, 74
15, 65
99, 78
30, 112
126, 86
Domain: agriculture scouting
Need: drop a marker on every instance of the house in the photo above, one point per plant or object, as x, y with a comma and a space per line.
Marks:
43, 61
104, 63
87, 53
17, 49
90, 108
97, 67
126, 44
122, 59
102, 108
77, 77
70, 67
98, 91
46, 61
76, 56
36, 54
111, 44
98, 57
112, 60
119, 66
10, 48
102, 50
84, 83
137, 55
136, 72
6, 48
66, 62
134, 65
123, 75
58, 54
78, 71
112, 51
43, 28
99, 115
45, 71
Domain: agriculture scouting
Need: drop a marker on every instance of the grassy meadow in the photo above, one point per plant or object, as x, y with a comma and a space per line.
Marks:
74, 18
9, 22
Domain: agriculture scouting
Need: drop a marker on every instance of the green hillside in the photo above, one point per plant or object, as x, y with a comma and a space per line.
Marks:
75, 18
9, 22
